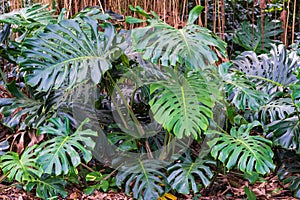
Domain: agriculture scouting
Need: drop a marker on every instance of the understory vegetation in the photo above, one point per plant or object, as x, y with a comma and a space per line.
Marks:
156, 111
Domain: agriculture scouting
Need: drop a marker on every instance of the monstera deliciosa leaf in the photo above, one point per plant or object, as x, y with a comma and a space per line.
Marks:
286, 132
277, 109
30, 111
68, 53
182, 105
143, 178
240, 90
189, 46
21, 168
269, 72
239, 148
58, 154
252, 41
47, 187
183, 175
29, 20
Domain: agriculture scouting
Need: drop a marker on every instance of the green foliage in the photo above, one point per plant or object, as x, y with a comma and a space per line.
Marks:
65, 54
185, 172
188, 46
271, 73
29, 21
250, 194
240, 90
251, 38
27, 112
22, 168
124, 141
143, 178
183, 93
248, 153
47, 187
296, 90
289, 171
55, 154
104, 182
277, 109
183, 104
286, 132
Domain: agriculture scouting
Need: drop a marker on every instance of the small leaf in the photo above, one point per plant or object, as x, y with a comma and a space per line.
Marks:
250, 194
133, 20
194, 14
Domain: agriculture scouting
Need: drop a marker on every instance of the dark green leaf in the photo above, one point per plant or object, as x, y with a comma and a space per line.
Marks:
58, 154
250, 194
248, 153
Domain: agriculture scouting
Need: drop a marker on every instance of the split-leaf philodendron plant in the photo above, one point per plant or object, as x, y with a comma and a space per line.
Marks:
159, 91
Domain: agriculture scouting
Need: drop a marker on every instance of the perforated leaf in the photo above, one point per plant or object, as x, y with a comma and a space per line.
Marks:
189, 45
184, 174
143, 178
68, 53
271, 73
47, 187
59, 154
249, 153
240, 90
182, 105
286, 133
21, 168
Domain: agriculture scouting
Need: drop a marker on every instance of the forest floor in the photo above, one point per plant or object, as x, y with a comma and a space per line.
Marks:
229, 186
225, 187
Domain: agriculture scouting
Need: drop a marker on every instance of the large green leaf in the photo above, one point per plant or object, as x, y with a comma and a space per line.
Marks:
190, 45
30, 111
143, 178
55, 154
286, 133
22, 168
47, 187
183, 175
240, 90
182, 105
248, 153
68, 53
277, 109
250, 41
271, 73
30, 20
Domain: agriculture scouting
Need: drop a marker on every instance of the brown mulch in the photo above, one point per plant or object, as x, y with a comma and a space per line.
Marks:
225, 187
229, 186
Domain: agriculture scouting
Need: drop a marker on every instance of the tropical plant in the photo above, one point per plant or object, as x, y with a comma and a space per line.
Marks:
240, 149
251, 38
161, 42
240, 91
47, 187
274, 75
28, 21
148, 180
65, 55
183, 174
22, 168
173, 76
55, 154
182, 105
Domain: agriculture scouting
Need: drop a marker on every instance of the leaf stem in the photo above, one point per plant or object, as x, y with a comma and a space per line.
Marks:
265, 79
